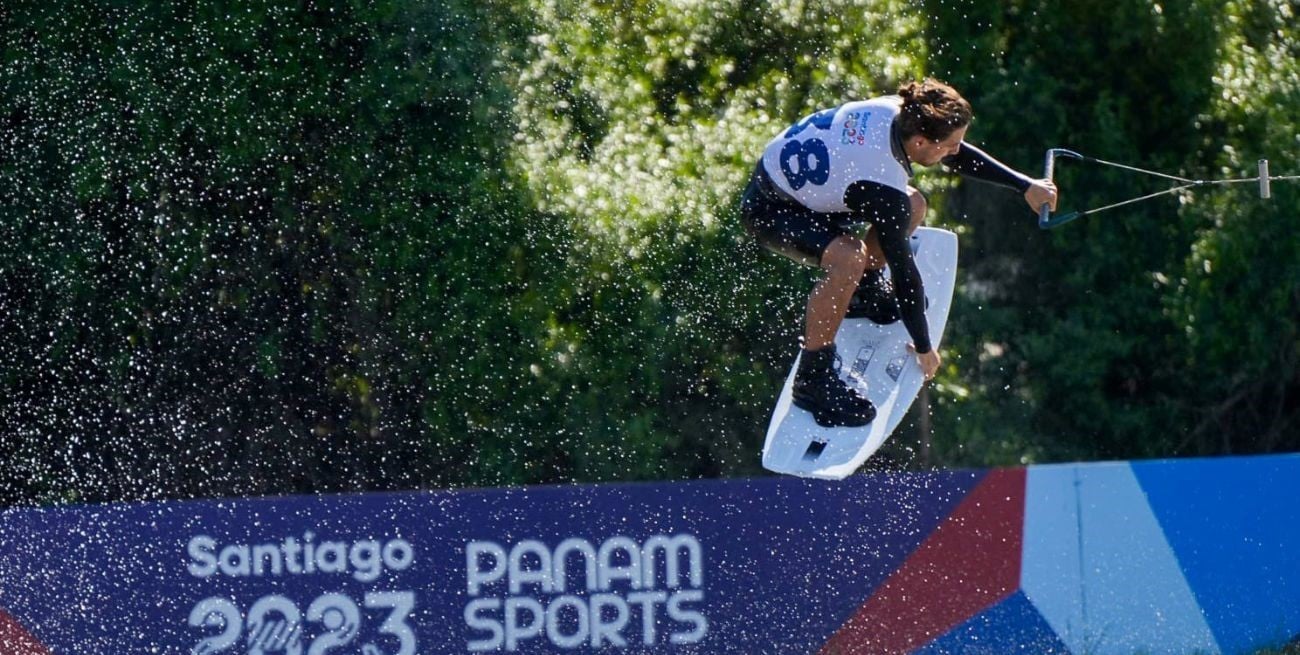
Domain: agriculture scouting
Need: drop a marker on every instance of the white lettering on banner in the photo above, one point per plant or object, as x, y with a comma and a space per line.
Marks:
366, 559
531, 592
333, 620
276, 625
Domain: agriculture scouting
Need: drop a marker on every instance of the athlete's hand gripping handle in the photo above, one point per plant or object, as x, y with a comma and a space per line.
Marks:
1045, 218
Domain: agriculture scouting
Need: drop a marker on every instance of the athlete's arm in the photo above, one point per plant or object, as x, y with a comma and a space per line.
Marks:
975, 163
972, 162
890, 212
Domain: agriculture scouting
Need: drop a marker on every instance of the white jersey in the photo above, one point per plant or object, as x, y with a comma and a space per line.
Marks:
817, 159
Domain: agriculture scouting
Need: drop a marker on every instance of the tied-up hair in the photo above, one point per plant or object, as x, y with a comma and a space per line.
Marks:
932, 109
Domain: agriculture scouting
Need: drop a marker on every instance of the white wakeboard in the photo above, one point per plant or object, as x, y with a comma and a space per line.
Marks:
875, 361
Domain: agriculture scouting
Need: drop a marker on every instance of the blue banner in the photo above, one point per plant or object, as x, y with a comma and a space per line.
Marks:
905, 562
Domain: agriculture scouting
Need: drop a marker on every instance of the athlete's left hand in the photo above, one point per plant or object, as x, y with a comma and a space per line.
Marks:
1039, 192
929, 361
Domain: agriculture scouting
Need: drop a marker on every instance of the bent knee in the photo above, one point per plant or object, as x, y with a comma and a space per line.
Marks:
919, 205
845, 256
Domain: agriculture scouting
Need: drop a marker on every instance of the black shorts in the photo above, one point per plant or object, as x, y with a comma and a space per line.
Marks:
780, 224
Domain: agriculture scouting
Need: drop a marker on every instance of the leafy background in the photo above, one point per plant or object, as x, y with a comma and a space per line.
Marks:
249, 248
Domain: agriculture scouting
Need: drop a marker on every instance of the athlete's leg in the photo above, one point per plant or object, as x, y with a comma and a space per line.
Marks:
815, 239
876, 256
843, 260
817, 387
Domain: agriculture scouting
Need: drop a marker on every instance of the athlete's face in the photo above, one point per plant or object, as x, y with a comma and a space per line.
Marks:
927, 152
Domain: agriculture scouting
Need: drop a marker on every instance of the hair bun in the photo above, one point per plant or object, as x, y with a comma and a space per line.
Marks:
932, 108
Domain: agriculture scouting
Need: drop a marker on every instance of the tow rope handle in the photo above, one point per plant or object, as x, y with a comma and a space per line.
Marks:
1045, 218
1047, 221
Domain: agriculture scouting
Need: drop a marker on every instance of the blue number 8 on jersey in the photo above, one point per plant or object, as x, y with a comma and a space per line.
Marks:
817, 159
804, 162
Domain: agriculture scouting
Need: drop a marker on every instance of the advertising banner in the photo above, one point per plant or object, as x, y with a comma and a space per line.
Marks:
1020, 560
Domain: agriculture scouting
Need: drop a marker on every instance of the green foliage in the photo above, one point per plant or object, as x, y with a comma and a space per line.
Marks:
1082, 345
252, 248
247, 245
1237, 301
639, 123
640, 118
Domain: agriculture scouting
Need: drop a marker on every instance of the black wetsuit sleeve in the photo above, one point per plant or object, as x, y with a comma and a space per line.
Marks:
975, 163
890, 212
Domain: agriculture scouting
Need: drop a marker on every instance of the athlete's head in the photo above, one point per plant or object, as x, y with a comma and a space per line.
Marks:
933, 121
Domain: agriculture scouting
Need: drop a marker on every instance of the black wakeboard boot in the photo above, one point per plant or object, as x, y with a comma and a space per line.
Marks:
819, 390
874, 299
